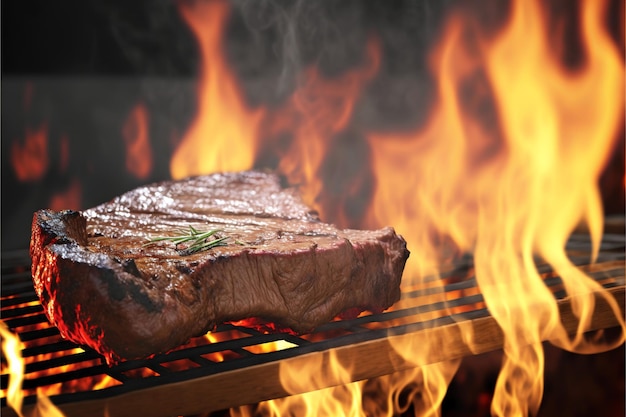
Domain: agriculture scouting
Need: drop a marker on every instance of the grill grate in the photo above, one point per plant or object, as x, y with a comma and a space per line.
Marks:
77, 380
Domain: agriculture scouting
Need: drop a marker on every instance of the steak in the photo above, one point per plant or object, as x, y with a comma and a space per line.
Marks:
105, 284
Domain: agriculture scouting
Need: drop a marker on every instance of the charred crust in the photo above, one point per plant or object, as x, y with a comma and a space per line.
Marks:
118, 290
128, 265
115, 288
61, 227
184, 269
196, 282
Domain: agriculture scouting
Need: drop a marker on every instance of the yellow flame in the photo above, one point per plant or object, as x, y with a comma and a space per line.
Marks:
511, 193
223, 135
45, 407
12, 346
309, 395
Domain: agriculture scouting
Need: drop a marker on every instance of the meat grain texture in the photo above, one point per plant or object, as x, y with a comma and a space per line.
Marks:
103, 287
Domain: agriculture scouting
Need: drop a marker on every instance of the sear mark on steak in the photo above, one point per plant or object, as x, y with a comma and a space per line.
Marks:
104, 288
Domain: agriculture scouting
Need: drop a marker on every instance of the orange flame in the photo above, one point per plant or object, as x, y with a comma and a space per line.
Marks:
72, 385
11, 348
318, 110
223, 136
340, 400
136, 137
64, 151
30, 159
69, 199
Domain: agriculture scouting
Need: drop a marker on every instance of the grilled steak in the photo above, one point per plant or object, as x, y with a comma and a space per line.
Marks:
105, 285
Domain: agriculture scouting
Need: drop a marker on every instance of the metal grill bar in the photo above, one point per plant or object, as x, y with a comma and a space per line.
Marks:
234, 351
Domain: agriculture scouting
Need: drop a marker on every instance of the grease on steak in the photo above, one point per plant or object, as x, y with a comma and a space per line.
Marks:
102, 287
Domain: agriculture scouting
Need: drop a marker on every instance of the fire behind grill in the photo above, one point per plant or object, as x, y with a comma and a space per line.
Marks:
184, 381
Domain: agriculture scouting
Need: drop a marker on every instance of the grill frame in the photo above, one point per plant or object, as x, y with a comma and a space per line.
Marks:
255, 377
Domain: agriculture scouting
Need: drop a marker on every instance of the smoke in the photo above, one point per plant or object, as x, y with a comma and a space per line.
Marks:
276, 39
150, 37
332, 36
269, 43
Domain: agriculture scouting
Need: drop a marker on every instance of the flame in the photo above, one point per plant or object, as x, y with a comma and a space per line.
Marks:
344, 399
64, 152
223, 136
227, 135
319, 110
136, 137
510, 192
30, 159
12, 346
45, 407
68, 199
94, 382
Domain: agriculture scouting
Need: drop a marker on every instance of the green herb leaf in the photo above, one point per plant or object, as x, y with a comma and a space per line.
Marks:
194, 240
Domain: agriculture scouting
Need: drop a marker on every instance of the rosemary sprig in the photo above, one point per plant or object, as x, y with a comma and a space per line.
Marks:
195, 240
